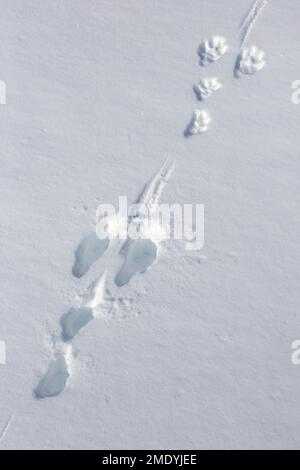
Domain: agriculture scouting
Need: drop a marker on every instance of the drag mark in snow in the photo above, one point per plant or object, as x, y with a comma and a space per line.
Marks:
250, 19
153, 190
6, 426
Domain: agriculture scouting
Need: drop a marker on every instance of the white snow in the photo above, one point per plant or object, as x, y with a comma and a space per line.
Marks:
195, 351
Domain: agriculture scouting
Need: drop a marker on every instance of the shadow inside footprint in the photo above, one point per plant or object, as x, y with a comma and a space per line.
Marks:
74, 320
236, 70
55, 379
89, 250
140, 255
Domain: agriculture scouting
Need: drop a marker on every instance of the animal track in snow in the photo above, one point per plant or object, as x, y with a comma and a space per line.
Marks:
56, 377
77, 318
119, 307
153, 190
7, 426
199, 123
251, 18
140, 255
206, 87
58, 373
250, 61
94, 296
74, 320
90, 249
211, 50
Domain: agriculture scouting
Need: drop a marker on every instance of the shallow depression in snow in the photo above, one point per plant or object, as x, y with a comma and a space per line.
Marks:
55, 379
140, 255
90, 249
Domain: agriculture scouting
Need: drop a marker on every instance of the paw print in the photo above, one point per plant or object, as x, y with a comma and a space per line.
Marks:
199, 123
206, 87
250, 61
211, 50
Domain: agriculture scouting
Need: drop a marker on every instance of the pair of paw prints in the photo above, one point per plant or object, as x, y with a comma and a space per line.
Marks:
249, 61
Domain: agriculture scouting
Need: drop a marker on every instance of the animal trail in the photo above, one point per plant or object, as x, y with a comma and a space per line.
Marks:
90, 249
139, 255
59, 370
211, 50
77, 318
56, 377
250, 19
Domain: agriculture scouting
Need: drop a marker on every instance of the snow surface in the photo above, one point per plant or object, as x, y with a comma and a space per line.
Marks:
196, 351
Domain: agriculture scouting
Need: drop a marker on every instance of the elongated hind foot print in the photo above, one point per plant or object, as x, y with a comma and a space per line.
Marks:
77, 318
74, 320
56, 377
90, 249
139, 257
